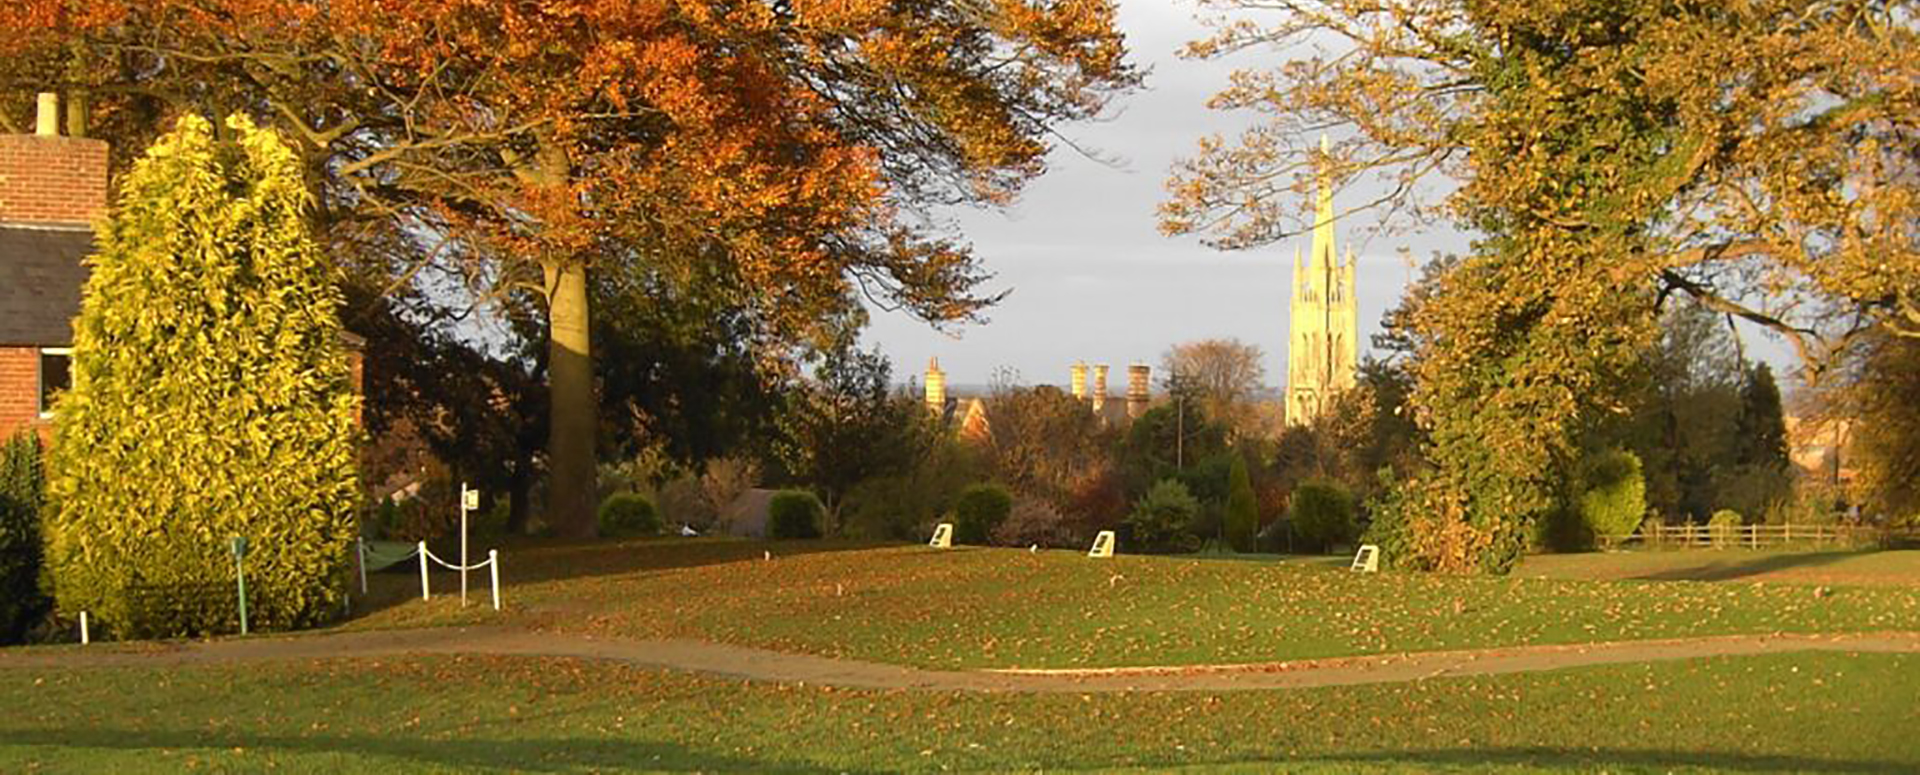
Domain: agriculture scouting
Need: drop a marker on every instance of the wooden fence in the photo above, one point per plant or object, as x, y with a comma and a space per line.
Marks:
1762, 536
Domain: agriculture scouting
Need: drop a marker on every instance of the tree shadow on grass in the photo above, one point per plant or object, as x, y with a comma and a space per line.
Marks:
524, 755
539, 560
1728, 571
1584, 759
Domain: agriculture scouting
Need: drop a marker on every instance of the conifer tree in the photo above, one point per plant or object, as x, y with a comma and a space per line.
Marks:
1243, 515
210, 400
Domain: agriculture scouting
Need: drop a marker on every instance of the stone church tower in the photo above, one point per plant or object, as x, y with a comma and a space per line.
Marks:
1323, 345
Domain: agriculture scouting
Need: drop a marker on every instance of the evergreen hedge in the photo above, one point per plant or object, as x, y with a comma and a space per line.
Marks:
22, 484
794, 514
211, 399
1243, 513
627, 513
1613, 493
978, 511
1162, 520
1322, 514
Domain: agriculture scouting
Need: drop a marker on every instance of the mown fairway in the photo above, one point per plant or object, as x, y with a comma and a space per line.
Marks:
1007, 608
1807, 713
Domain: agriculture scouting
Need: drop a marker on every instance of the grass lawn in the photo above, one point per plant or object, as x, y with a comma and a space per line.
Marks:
972, 607
1807, 713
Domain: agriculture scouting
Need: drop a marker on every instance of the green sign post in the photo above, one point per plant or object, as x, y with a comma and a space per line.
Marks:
239, 547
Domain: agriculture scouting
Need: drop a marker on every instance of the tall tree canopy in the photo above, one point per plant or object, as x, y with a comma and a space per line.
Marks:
782, 146
1223, 375
1757, 155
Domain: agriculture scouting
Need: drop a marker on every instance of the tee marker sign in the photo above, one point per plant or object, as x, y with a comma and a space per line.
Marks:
1367, 560
1102, 545
942, 536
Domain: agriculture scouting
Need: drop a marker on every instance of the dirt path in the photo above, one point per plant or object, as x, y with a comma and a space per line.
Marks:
763, 665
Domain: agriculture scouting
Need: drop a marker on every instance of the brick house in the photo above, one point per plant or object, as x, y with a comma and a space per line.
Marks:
53, 189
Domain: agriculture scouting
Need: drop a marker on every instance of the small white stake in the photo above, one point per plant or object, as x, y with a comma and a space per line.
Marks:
425, 593
85, 636
493, 567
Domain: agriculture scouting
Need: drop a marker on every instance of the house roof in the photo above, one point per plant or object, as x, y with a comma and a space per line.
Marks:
40, 278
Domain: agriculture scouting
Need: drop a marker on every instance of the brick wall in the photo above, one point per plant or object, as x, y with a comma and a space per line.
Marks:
52, 180
19, 389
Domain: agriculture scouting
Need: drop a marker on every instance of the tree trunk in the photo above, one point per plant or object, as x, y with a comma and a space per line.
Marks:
519, 482
570, 495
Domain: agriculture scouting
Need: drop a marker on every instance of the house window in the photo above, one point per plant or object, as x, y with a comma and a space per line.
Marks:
55, 375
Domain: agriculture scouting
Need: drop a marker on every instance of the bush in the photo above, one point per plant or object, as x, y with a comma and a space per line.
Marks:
22, 488
1162, 521
683, 501
1033, 521
794, 514
1613, 493
978, 511
626, 513
1243, 514
211, 399
1321, 513
1722, 525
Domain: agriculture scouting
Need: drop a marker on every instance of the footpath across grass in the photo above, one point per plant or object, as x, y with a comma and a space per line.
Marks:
996, 608
1801, 713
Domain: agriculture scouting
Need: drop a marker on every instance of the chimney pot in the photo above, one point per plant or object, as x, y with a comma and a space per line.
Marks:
47, 120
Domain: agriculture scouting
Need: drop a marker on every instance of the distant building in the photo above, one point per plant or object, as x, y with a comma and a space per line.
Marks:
968, 415
1323, 335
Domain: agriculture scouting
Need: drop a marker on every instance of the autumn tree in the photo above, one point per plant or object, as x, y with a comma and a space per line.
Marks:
1222, 377
1757, 157
781, 149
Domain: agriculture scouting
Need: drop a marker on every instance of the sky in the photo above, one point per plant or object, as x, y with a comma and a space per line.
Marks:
1093, 280
1091, 277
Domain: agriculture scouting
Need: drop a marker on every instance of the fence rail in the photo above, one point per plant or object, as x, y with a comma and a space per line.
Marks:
1762, 536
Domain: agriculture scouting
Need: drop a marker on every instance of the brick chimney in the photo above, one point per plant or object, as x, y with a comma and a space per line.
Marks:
52, 181
1139, 390
1099, 387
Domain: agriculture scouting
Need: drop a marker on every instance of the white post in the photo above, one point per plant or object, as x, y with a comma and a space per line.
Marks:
361, 544
85, 637
463, 544
493, 567
424, 593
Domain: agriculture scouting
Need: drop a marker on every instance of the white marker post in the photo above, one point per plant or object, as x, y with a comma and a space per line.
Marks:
469, 501
1102, 545
424, 593
1367, 560
942, 536
85, 637
493, 567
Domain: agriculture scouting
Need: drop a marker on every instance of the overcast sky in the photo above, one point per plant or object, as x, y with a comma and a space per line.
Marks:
1091, 277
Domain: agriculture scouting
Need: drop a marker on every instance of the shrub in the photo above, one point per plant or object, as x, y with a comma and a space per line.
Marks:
1033, 521
979, 509
211, 399
1243, 514
22, 488
1613, 494
1162, 521
1722, 525
683, 501
626, 513
794, 514
1321, 513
